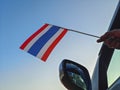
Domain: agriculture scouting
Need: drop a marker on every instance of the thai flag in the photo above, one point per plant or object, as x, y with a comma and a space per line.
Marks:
43, 41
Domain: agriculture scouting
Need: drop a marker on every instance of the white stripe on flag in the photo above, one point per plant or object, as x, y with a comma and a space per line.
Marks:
51, 40
36, 38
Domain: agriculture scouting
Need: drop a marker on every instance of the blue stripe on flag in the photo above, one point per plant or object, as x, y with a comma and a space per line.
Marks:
34, 50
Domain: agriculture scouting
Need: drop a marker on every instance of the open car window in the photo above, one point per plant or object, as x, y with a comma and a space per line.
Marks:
113, 72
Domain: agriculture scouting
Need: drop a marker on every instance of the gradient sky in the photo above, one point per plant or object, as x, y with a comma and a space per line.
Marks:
20, 18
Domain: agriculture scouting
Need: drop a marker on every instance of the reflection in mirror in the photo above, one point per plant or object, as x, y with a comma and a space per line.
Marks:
76, 75
77, 80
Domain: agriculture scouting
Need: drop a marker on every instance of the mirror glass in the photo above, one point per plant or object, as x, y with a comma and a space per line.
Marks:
77, 80
75, 75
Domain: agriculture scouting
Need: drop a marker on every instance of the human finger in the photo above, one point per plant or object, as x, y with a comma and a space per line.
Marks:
104, 37
113, 43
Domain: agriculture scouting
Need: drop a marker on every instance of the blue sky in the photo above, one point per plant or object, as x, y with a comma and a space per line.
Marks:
20, 18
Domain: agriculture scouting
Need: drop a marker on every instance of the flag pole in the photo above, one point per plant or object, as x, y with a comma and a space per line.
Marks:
77, 31
83, 33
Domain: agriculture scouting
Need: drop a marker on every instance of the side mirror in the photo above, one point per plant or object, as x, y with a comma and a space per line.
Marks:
74, 76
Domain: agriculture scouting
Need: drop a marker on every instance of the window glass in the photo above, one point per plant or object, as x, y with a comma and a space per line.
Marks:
114, 68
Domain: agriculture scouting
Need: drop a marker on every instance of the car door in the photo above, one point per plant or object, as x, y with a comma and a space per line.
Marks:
101, 75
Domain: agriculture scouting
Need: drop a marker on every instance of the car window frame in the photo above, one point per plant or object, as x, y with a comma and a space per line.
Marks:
106, 53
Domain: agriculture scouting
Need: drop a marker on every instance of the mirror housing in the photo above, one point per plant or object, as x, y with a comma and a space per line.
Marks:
74, 76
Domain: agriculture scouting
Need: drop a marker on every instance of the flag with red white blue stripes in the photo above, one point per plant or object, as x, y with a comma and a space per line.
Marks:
42, 42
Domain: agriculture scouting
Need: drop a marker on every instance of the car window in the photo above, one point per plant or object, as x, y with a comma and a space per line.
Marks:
114, 68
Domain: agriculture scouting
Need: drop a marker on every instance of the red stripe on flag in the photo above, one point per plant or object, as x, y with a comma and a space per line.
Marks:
32, 36
52, 46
